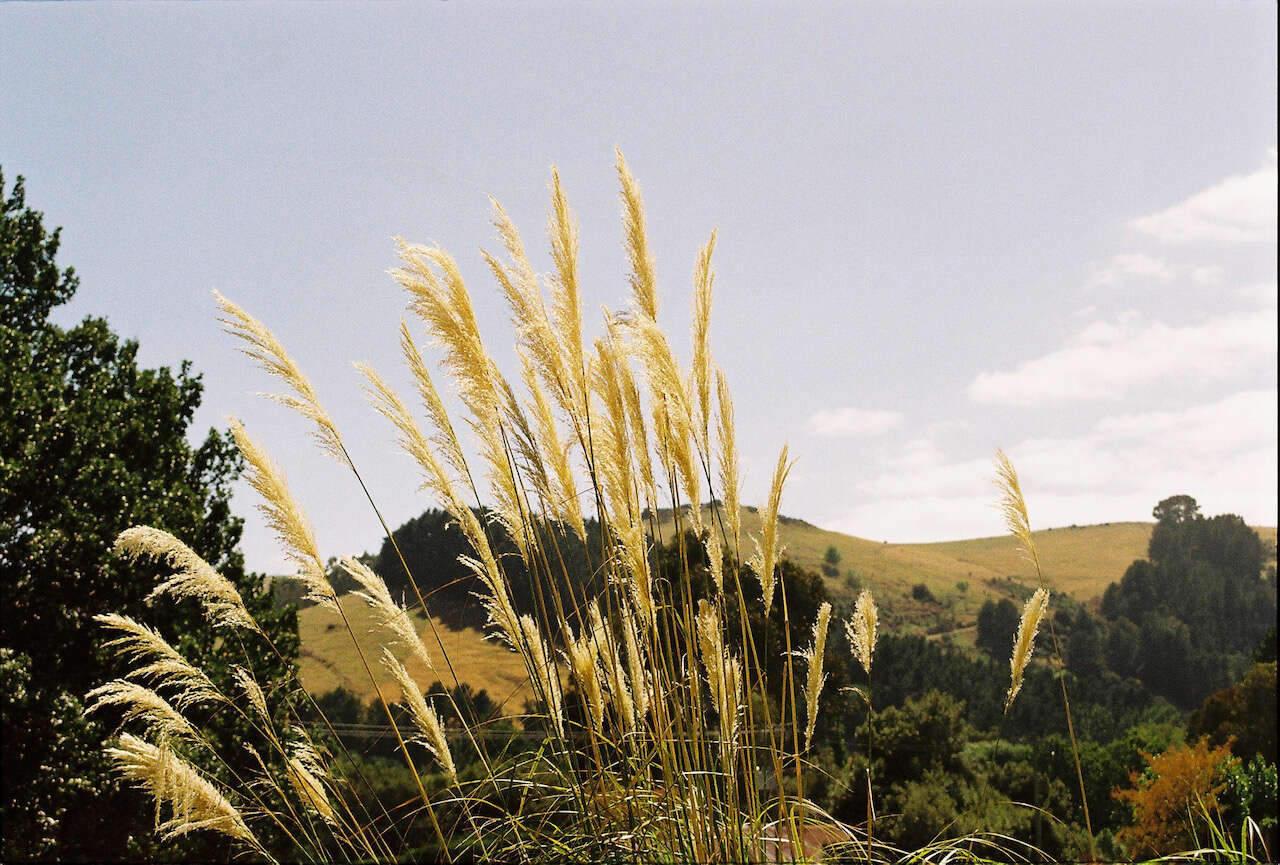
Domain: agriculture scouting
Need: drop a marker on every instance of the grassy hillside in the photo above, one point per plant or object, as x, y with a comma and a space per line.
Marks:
961, 575
329, 659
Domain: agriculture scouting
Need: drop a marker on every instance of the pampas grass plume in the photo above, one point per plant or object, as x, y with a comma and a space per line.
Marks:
1024, 642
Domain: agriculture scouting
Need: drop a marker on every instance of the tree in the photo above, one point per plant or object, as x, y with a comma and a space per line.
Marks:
1199, 603
831, 562
1243, 715
91, 444
997, 623
1176, 793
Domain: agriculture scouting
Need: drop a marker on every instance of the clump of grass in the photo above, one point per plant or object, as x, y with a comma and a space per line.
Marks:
656, 717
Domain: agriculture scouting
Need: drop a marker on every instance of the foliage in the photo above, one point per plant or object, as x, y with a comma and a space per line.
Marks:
1186, 618
90, 444
1171, 797
997, 623
1244, 715
831, 562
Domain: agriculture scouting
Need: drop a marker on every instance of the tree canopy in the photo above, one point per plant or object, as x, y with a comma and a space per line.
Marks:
91, 444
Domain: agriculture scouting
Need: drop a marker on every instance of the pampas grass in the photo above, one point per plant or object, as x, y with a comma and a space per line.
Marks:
1024, 642
193, 802
861, 629
659, 735
814, 677
768, 550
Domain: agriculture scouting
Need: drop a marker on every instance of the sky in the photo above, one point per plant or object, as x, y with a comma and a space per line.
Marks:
942, 228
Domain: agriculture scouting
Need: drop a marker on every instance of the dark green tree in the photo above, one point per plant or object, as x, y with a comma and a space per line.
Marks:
91, 444
831, 562
1199, 601
997, 622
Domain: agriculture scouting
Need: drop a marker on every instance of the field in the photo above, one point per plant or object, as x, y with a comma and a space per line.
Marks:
329, 660
1079, 560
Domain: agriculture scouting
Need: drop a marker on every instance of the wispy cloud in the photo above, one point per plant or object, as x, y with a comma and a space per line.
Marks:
1132, 268
1107, 359
1240, 209
849, 422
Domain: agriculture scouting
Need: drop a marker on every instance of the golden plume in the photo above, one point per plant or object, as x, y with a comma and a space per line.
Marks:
193, 577
768, 549
644, 284
285, 517
1025, 641
730, 483
261, 345
815, 678
861, 629
193, 801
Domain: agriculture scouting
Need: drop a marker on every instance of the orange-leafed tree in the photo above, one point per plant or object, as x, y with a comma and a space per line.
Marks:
1173, 797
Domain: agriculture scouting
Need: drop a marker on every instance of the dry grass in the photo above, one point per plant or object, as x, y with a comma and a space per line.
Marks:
329, 660
1080, 561
650, 769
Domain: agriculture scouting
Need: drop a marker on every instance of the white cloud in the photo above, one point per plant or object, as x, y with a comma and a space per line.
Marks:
1259, 294
1240, 209
1208, 275
1222, 452
850, 421
1130, 267
1107, 359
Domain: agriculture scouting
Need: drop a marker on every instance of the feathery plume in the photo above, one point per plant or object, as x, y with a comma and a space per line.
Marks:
307, 776
430, 730
193, 577
1014, 509
1024, 642
563, 488
253, 692
445, 307
814, 680
639, 679
644, 284
721, 670
261, 345
389, 618
534, 330
285, 517
767, 548
669, 390
193, 801
167, 666
566, 300
581, 655
730, 483
638, 431
703, 279
715, 560
547, 675
142, 704
861, 629
444, 437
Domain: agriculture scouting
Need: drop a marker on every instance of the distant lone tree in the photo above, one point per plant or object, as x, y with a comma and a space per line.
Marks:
831, 562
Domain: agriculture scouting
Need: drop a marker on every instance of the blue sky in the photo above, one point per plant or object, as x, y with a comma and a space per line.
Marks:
1049, 227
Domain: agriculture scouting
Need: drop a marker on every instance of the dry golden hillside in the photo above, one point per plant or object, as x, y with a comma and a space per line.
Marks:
1080, 561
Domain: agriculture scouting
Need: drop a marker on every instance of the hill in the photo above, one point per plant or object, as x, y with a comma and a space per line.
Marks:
328, 659
959, 575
